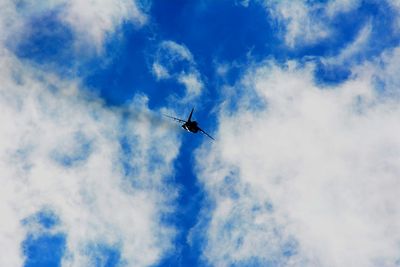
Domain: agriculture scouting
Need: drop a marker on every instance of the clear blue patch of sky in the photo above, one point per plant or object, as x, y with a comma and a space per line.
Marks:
44, 248
47, 248
190, 202
331, 74
46, 40
125, 69
214, 31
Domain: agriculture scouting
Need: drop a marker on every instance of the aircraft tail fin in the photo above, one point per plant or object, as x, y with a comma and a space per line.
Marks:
190, 116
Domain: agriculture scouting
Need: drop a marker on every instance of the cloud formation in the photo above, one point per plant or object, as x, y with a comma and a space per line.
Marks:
63, 152
304, 175
91, 21
95, 19
300, 26
100, 174
306, 23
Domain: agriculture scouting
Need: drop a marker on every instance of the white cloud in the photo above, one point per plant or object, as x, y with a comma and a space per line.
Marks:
60, 150
177, 51
9, 22
175, 61
305, 22
192, 83
222, 69
301, 26
303, 175
384, 69
91, 20
160, 71
395, 5
94, 19
341, 6
244, 3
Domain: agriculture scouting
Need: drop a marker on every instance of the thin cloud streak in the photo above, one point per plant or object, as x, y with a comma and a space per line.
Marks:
175, 61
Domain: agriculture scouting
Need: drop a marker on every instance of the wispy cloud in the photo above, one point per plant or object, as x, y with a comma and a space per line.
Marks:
307, 23
357, 47
175, 61
192, 83
160, 71
177, 51
341, 6
300, 26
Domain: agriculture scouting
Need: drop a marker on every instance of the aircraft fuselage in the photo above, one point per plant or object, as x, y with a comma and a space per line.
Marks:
191, 126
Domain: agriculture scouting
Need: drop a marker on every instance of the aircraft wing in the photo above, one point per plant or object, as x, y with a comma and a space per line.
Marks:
201, 130
180, 120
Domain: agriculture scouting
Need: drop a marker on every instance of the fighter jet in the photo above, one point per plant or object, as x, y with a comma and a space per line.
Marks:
189, 125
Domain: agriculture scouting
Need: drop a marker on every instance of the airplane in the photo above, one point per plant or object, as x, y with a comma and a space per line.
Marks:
189, 125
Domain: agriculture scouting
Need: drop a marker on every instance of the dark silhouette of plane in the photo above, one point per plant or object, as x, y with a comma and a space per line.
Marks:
189, 125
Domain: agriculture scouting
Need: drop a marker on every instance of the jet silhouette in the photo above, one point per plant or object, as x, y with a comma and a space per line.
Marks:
189, 125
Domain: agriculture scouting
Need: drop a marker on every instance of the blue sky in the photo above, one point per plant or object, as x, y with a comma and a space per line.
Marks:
301, 96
